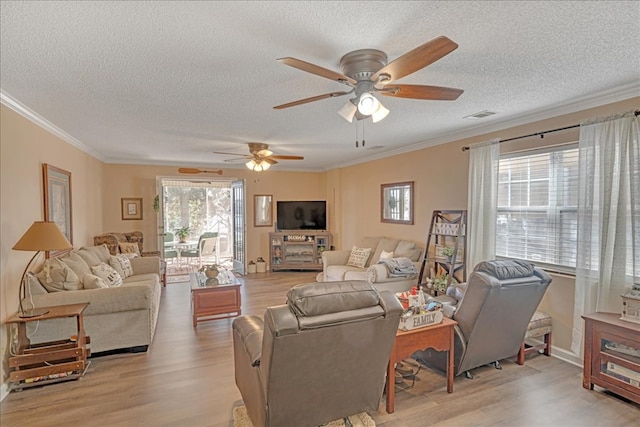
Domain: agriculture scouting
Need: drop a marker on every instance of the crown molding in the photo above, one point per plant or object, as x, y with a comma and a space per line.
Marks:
27, 113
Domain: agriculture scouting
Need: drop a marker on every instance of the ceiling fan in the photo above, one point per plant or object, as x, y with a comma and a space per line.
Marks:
366, 71
260, 157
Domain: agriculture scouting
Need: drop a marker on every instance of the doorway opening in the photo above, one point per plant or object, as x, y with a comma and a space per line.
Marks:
197, 218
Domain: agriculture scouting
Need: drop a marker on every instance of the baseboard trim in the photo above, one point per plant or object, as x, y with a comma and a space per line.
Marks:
4, 391
561, 354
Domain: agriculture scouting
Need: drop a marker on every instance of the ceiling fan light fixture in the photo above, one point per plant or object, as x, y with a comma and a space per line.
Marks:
347, 111
257, 166
380, 113
368, 104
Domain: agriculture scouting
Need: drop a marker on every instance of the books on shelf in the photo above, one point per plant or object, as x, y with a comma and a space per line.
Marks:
623, 374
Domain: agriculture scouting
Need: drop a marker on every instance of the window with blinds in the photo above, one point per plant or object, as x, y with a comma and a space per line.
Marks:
537, 206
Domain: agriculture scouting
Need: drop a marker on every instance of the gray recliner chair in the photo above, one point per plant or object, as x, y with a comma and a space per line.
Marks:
496, 305
320, 357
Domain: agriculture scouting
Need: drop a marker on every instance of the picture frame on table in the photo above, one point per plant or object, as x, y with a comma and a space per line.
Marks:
263, 210
131, 208
57, 200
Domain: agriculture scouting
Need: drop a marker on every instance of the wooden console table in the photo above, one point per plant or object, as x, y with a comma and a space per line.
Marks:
438, 337
215, 301
612, 354
49, 362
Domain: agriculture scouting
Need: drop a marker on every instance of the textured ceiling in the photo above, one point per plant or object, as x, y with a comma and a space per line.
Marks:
162, 82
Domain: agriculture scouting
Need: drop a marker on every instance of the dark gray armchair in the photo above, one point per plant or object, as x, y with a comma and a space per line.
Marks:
495, 308
320, 357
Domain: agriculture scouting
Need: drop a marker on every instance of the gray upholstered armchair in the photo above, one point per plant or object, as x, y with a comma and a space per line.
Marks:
495, 308
320, 357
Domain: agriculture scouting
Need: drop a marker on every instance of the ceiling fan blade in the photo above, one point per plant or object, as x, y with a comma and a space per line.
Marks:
317, 70
229, 154
422, 92
284, 157
416, 59
312, 99
196, 171
269, 160
237, 159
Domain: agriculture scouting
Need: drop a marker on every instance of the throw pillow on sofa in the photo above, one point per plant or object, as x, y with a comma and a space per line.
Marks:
57, 276
92, 281
108, 274
122, 264
358, 257
89, 257
129, 248
76, 263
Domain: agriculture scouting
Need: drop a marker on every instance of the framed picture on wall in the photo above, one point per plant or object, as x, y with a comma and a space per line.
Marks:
396, 203
57, 198
131, 208
263, 210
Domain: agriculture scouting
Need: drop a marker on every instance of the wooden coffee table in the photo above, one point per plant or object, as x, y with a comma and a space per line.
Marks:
438, 337
211, 301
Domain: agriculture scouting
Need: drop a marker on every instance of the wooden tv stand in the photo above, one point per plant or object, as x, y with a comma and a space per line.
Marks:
298, 250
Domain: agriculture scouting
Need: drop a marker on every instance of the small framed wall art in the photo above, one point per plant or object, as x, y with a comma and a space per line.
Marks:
263, 210
131, 208
57, 199
396, 203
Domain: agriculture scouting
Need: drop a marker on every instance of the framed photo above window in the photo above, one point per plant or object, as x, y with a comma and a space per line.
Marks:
263, 210
57, 199
396, 203
131, 208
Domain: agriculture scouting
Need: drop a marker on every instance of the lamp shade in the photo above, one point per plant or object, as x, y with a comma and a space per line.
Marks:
347, 111
42, 236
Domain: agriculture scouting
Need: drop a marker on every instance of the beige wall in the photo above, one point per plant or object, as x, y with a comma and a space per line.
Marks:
440, 174
24, 146
140, 181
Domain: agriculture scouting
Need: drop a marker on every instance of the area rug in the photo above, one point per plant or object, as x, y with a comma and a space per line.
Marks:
241, 419
180, 278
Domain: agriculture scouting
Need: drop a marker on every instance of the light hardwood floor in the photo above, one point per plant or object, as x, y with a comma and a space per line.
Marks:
186, 379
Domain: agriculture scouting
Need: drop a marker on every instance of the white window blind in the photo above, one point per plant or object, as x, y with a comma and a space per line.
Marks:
537, 206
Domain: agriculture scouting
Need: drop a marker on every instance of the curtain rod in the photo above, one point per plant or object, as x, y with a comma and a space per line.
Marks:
541, 134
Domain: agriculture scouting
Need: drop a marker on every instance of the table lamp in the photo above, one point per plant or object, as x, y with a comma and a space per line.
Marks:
41, 236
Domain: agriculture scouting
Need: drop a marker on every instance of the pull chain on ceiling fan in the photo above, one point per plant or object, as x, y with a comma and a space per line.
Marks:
366, 71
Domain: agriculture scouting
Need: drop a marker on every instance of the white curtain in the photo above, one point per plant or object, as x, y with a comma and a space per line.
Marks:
608, 242
482, 202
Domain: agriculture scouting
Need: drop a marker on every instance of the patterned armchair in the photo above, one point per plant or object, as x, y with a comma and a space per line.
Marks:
121, 242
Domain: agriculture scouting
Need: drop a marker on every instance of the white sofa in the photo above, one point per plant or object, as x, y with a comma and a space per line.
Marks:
335, 268
122, 317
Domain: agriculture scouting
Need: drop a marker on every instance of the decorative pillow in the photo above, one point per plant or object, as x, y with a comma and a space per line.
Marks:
386, 255
122, 264
101, 251
130, 255
409, 250
76, 263
108, 274
129, 248
57, 276
359, 257
93, 282
89, 257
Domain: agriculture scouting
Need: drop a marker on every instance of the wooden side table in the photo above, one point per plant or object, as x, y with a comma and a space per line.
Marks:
53, 361
212, 302
438, 337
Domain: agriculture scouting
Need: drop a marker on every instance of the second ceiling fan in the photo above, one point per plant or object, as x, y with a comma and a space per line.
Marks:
260, 157
367, 72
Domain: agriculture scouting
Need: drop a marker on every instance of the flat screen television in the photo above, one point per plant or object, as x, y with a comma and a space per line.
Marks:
301, 215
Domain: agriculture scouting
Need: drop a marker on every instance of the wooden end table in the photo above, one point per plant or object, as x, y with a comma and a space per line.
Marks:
438, 337
49, 362
215, 301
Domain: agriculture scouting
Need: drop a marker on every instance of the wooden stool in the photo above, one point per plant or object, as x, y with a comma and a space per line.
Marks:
540, 325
